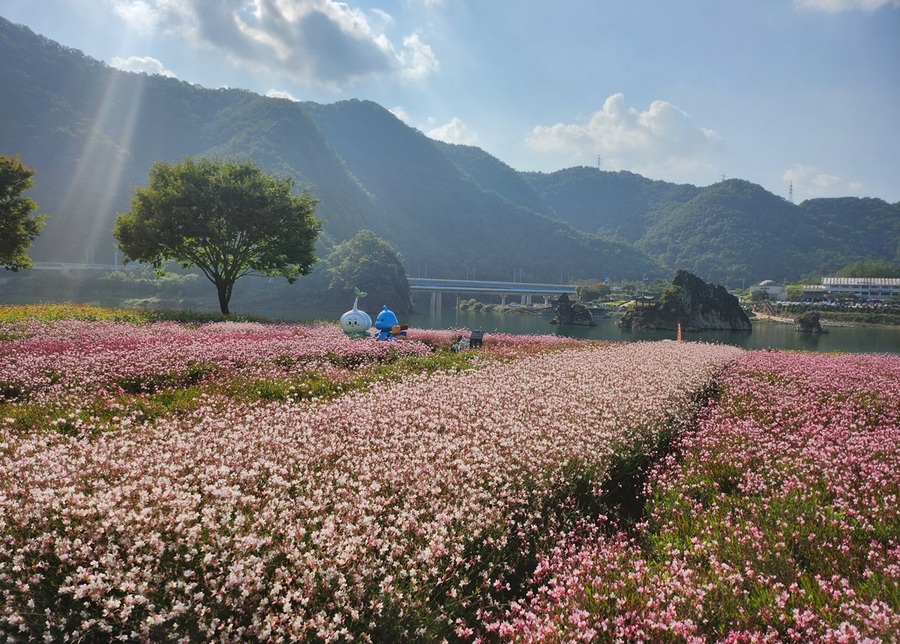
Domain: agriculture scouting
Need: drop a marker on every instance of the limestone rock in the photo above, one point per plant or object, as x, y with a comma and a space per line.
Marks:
809, 322
567, 312
698, 306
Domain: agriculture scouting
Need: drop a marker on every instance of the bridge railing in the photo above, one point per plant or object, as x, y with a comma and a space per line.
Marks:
483, 286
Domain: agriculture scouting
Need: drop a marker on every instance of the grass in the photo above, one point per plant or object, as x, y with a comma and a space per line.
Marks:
51, 312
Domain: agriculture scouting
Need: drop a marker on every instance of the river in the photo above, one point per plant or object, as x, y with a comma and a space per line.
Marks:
774, 335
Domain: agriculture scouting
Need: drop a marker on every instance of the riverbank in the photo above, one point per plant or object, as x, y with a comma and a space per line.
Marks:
825, 321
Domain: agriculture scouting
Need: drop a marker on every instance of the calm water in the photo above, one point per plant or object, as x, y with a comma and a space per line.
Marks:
764, 335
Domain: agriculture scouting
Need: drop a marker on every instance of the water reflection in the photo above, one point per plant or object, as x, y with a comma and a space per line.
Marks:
764, 334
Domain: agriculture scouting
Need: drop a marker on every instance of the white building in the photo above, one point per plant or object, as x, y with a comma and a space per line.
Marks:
774, 291
867, 289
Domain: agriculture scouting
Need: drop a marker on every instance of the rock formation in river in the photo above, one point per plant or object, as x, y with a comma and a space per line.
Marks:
698, 306
809, 322
567, 312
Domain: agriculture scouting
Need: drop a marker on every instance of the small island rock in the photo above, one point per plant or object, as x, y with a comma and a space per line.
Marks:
567, 312
689, 300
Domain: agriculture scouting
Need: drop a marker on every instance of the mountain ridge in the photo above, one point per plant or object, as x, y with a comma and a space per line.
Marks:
92, 132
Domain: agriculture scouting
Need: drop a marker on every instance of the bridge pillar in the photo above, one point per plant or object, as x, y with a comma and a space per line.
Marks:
435, 301
526, 299
503, 300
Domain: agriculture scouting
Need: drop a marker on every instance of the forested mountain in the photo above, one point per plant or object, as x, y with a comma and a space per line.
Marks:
93, 132
732, 232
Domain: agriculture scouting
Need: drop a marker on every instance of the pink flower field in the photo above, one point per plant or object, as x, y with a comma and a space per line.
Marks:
83, 376
777, 519
420, 506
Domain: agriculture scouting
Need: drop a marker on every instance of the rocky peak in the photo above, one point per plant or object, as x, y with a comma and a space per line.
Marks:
698, 306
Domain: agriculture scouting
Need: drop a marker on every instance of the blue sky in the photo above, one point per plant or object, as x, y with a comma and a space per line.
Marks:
778, 92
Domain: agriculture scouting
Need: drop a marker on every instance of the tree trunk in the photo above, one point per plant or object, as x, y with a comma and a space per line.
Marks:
224, 290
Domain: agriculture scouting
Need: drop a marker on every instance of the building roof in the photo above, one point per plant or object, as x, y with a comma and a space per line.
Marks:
861, 281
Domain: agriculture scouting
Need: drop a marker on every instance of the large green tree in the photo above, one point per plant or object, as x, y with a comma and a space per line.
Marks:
18, 225
226, 218
371, 264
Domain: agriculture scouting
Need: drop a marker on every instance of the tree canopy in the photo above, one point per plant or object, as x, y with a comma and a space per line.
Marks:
18, 225
371, 264
227, 218
592, 291
870, 268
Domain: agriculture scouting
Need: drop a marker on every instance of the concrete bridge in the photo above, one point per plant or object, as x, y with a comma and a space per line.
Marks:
437, 287
65, 267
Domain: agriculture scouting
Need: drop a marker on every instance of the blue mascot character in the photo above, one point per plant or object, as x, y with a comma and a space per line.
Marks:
387, 325
354, 322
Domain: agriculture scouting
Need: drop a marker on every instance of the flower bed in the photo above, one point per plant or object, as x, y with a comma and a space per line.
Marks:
781, 522
404, 511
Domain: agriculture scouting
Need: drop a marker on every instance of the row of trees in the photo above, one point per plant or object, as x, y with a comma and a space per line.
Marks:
226, 218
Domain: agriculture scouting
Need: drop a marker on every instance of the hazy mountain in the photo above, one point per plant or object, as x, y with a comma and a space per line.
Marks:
731, 232
93, 132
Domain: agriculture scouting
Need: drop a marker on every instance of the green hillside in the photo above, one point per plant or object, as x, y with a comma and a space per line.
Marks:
614, 204
92, 133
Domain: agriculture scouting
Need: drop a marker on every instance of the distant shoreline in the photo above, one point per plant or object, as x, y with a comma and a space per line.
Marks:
775, 319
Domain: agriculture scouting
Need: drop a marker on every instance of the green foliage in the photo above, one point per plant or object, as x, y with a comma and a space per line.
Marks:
616, 205
672, 302
592, 291
226, 218
152, 383
869, 268
732, 232
794, 292
369, 266
438, 215
882, 316
18, 226
857, 229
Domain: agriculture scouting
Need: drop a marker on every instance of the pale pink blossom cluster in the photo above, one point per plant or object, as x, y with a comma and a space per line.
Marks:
778, 520
395, 513
500, 344
71, 359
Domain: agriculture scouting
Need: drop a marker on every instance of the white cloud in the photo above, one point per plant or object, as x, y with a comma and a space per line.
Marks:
280, 93
809, 182
317, 42
837, 6
401, 114
140, 64
660, 142
454, 132
418, 60
137, 14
